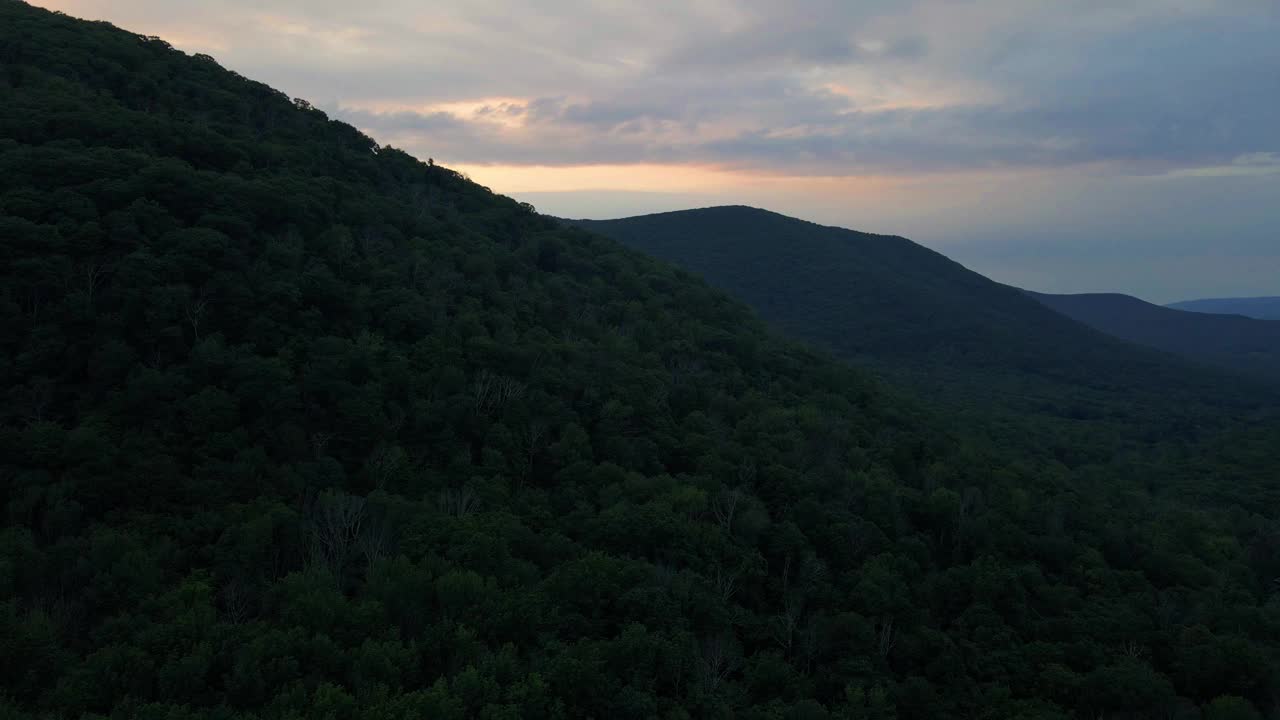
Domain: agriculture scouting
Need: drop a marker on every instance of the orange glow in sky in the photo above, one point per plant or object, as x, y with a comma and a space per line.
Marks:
656, 178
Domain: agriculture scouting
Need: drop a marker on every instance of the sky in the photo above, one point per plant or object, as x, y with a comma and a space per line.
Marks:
1059, 145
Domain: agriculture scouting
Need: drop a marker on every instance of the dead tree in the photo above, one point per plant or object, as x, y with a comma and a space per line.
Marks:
533, 440
725, 506
94, 274
887, 637
375, 538
786, 622
457, 502
491, 391
795, 593
195, 313
718, 658
237, 604
725, 581
335, 521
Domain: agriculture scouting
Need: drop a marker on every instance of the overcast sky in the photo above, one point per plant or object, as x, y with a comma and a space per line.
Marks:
1066, 146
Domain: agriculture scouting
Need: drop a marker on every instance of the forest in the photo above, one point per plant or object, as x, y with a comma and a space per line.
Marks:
1244, 344
298, 426
995, 359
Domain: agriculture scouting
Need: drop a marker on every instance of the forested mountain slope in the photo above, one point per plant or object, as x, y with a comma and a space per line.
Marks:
873, 296
1262, 308
297, 426
994, 356
1230, 341
884, 298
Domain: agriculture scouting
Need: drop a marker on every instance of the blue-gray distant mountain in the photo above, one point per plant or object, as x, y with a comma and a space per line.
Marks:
1261, 308
1231, 341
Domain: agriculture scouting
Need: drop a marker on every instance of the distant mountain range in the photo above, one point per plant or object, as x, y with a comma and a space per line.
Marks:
1262, 308
890, 302
1230, 341
911, 313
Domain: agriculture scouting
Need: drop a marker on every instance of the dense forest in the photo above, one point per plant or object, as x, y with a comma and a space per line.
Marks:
1028, 378
1245, 344
297, 426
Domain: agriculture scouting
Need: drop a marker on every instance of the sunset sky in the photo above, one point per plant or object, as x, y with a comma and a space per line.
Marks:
1122, 145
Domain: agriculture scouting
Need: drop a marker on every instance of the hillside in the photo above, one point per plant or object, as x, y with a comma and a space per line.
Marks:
297, 426
871, 296
1006, 369
906, 310
1229, 341
1261, 308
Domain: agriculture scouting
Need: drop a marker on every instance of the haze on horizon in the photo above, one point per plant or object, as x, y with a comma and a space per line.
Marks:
1126, 146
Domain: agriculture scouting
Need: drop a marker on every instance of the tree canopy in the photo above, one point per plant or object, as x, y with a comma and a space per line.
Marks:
298, 426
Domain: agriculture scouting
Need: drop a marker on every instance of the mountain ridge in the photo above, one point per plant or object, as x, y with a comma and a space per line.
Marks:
867, 256
1232, 341
299, 426
987, 352
1261, 308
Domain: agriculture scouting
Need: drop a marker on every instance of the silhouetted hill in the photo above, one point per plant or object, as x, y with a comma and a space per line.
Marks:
296, 426
1261, 308
890, 302
876, 296
1229, 341
1002, 363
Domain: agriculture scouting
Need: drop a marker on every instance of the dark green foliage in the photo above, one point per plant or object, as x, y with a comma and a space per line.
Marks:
297, 426
1231, 341
1025, 376
1074, 408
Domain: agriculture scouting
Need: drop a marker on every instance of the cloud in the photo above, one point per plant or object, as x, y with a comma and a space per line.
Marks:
1006, 129
1144, 84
